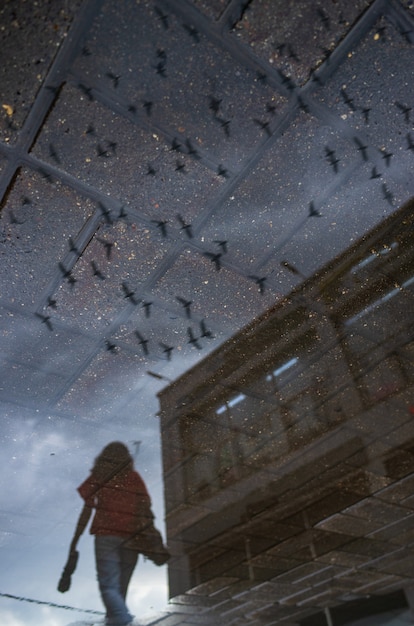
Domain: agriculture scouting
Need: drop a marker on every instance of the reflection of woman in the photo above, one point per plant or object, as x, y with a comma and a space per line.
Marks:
120, 499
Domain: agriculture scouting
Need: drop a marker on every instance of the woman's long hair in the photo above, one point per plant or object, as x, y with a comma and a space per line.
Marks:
114, 459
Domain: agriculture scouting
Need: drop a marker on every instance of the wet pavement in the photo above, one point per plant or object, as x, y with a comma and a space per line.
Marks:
206, 252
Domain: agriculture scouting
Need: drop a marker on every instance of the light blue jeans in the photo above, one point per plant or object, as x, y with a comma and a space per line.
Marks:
114, 567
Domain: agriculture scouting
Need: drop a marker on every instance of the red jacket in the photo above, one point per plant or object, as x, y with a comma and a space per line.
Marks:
121, 504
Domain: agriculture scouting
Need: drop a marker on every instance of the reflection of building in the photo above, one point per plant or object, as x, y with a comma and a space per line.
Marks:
289, 452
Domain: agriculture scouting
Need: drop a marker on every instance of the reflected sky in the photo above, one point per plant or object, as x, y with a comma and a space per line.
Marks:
169, 174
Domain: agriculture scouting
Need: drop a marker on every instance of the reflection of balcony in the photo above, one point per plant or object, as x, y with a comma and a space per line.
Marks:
288, 453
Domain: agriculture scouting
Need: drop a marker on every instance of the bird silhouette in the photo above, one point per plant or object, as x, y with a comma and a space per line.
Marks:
114, 78
205, 332
365, 113
186, 304
175, 145
67, 274
214, 258
348, 100
180, 167
162, 225
192, 339
260, 282
221, 171
331, 156
14, 220
388, 196
191, 150
45, 320
166, 350
215, 104
361, 148
108, 245
386, 156
143, 342
264, 125
163, 18
110, 346
185, 227
129, 294
405, 110
313, 212
96, 271
106, 213
147, 104
147, 308
222, 243
193, 32
53, 154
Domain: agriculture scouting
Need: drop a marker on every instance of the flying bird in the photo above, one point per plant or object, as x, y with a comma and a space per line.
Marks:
387, 194
332, 160
191, 149
122, 213
365, 113
225, 125
374, 173
175, 145
129, 294
205, 332
185, 227
186, 304
72, 246
162, 225
96, 271
215, 104
347, 99
143, 342
45, 320
14, 220
193, 32
192, 339
260, 282
114, 78
313, 212
221, 171
106, 213
147, 308
361, 148
161, 69
264, 125
87, 91
163, 17
150, 170
214, 258
108, 245
67, 274
166, 350
386, 156
405, 110
53, 154
147, 105
324, 18
222, 243
180, 166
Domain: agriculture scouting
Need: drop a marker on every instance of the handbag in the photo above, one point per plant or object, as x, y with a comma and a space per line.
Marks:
65, 579
148, 542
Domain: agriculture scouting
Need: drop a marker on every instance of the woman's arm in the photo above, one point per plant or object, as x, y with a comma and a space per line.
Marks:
81, 525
